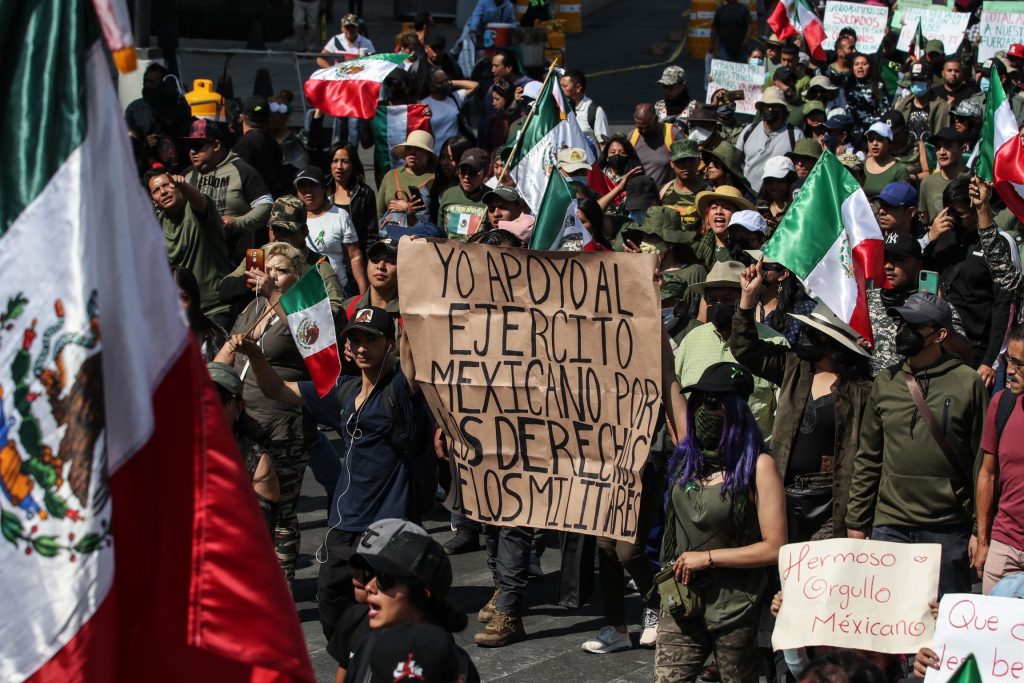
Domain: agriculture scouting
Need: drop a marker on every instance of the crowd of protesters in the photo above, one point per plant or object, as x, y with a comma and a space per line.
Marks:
789, 426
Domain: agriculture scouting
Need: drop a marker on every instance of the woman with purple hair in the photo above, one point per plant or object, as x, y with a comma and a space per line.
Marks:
724, 523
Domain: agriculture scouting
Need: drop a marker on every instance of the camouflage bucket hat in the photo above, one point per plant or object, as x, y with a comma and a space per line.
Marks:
673, 287
288, 213
666, 223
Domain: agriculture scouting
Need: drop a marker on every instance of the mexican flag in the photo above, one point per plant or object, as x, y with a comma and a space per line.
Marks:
124, 503
556, 217
551, 127
1000, 155
792, 17
968, 672
352, 87
391, 126
308, 311
830, 240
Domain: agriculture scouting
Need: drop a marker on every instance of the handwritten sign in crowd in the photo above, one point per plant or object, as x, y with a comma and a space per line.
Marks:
737, 76
867, 20
867, 595
948, 27
544, 371
1002, 24
992, 629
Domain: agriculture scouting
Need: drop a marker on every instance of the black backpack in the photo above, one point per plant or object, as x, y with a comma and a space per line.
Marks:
422, 466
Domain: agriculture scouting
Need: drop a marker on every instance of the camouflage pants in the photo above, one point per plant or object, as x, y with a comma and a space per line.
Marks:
683, 647
290, 464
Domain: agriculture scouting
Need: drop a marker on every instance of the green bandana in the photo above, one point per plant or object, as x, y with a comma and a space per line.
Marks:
708, 427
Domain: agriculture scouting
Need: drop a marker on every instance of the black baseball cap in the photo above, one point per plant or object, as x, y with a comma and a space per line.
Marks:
205, 129
724, 378
924, 308
476, 158
950, 135
902, 244
311, 174
402, 549
503, 193
257, 109
388, 245
370, 319
920, 71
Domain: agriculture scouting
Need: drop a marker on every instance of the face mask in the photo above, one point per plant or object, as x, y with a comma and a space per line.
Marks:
983, 84
726, 111
638, 216
707, 427
909, 342
756, 61
699, 135
771, 117
720, 315
918, 89
618, 162
807, 348
669, 317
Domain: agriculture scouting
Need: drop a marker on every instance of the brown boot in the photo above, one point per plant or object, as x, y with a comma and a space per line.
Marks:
504, 629
486, 612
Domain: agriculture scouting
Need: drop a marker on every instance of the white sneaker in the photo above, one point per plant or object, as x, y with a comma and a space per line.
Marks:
608, 640
649, 637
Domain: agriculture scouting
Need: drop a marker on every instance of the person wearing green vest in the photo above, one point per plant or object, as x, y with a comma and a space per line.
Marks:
404, 193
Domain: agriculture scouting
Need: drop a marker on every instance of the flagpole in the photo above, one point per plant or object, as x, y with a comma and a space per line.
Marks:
519, 137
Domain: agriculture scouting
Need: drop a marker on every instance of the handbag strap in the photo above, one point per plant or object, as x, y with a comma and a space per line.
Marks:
931, 422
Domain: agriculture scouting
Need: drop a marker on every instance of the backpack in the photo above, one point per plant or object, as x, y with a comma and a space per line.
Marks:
422, 467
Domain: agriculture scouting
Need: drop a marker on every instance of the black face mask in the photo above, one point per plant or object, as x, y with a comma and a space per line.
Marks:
720, 315
771, 117
909, 342
808, 346
618, 162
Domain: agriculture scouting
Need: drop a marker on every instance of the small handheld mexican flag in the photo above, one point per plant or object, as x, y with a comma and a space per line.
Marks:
830, 240
308, 311
1000, 154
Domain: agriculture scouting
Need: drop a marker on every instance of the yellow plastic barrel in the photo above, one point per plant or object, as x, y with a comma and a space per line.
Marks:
205, 102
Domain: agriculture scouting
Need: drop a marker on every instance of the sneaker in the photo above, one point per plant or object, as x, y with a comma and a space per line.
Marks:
462, 542
487, 612
608, 640
649, 637
504, 629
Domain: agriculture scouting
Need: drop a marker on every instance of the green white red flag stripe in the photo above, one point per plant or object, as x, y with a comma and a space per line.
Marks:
793, 17
308, 311
1000, 155
124, 504
556, 217
351, 87
552, 127
830, 240
391, 126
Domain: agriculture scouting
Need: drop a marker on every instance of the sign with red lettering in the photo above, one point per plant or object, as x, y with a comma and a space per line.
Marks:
866, 595
867, 20
990, 628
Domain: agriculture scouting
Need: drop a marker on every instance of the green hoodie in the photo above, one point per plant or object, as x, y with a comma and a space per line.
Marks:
900, 475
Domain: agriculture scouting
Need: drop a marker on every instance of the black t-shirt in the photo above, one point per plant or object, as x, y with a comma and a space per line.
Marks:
731, 23
259, 149
815, 438
350, 631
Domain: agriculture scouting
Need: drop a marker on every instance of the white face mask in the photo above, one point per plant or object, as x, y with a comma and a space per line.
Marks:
699, 135
756, 61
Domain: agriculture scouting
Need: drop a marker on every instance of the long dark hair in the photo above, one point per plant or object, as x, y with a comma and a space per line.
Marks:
595, 216
791, 294
631, 154
876, 84
739, 447
358, 172
208, 333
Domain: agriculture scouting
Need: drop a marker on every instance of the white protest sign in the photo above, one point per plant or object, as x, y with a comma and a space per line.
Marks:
948, 27
867, 20
1002, 24
737, 76
907, 35
867, 595
992, 629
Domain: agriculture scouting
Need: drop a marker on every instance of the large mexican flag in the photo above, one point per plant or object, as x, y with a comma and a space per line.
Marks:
830, 240
391, 126
124, 505
352, 87
1000, 155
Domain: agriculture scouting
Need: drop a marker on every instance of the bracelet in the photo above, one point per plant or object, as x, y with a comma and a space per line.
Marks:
711, 563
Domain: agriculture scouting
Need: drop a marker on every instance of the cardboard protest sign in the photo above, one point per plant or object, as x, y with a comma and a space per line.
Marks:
1002, 24
544, 371
867, 20
992, 629
948, 27
868, 595
737, 76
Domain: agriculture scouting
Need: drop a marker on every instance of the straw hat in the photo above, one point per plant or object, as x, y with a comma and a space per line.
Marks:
825, 321
420, 139
725, 192
722, 274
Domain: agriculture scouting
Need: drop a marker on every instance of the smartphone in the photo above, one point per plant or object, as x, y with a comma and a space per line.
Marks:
735, 95
414, 193
928, 281
255, 259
